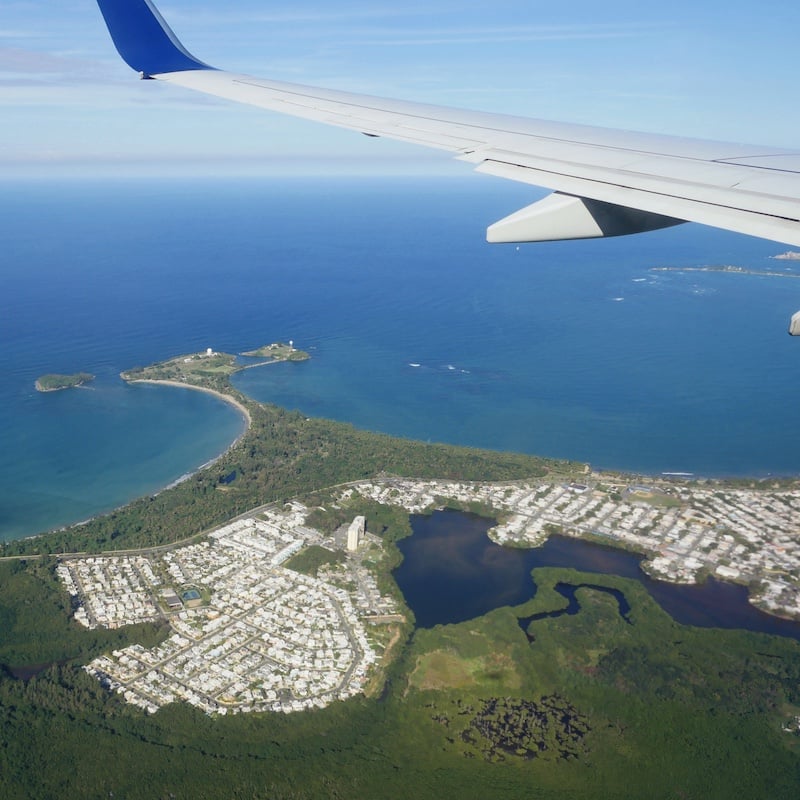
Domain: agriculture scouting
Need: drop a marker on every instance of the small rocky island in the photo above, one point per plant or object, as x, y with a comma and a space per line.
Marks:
53, 382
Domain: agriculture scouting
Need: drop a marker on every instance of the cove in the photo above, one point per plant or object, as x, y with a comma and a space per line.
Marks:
452, 572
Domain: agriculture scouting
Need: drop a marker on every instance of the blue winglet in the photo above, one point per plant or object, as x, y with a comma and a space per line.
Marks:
144, 40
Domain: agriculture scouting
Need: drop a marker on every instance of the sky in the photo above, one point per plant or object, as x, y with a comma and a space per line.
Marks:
69, 105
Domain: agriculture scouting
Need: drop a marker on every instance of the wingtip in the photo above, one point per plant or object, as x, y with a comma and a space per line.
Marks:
144, 40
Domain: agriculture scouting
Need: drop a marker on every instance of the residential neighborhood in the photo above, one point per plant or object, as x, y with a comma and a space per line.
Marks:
250, 634
687, 530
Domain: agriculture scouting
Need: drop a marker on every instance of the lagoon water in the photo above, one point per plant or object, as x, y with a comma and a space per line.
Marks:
416, 326
452, 572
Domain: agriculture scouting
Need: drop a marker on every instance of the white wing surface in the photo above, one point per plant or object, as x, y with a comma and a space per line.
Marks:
606, 182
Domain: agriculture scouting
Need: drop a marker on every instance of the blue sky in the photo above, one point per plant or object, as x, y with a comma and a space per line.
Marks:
69, 105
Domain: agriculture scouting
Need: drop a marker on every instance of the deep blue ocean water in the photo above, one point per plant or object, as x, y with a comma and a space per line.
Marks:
578, 350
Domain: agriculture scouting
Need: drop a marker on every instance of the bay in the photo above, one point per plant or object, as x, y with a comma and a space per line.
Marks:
576, 350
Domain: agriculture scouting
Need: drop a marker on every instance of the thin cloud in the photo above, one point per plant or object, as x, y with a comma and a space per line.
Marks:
10, 33
502, 34
236, 17
50, 67
394, 36
26, 91
17, 59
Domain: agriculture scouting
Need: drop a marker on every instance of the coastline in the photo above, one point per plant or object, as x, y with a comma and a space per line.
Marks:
240, 407
229, 399
245, 412
228, 394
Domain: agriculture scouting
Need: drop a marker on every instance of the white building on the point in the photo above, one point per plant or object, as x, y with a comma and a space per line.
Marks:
355, 533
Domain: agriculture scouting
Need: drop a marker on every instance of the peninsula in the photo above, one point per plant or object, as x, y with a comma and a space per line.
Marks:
53, 382
209, 368
210, 372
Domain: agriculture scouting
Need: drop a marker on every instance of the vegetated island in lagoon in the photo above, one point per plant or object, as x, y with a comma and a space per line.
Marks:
53, 382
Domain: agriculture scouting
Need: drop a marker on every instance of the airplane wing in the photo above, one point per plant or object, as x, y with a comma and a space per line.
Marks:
605, 182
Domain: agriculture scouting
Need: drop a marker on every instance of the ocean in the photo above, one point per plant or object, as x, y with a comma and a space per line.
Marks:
416, 327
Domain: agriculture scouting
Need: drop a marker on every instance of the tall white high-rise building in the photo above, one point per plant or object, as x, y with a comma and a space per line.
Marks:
355, 533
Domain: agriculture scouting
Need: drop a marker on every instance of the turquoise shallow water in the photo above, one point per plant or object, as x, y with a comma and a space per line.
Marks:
74, 453
576, 350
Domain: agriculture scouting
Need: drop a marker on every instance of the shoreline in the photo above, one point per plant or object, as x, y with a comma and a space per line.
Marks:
240, 407
245, 413
47, 390
40, 388
229, 399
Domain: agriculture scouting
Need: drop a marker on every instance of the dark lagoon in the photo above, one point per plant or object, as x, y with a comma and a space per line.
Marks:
453, 572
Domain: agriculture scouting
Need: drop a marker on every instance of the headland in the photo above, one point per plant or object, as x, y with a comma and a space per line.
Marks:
209, 372
210, 369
